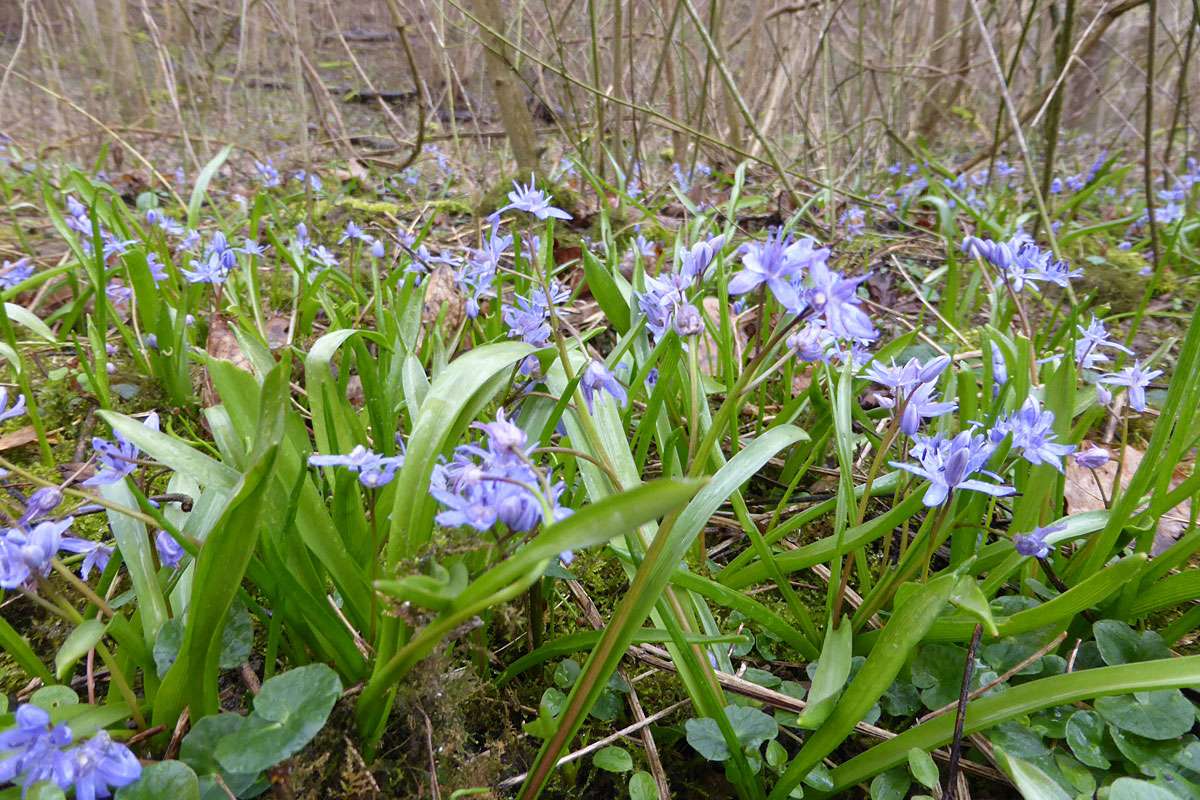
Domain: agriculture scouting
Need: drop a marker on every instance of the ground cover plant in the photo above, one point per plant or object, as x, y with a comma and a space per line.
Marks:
664, 471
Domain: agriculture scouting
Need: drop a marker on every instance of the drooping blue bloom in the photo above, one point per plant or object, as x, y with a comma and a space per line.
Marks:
311, 178
919, 404
948, 464
1136, 378
96, 554
688, 321
301, 239
1034, 543
101, 765
811, 343
664, 295
14, 273
170, 552
25, 552
32, 751
267, 174
903, 379
912, 388
117, 292
999, 370
157, 271
533, 201
495, 482
1091, 339
1021, 262
1076, 182
18, 408
597, 378
378, 250
779, 263
835, 298
696, 260
1033, 434
1092, 458
117, 459
1056, 186
324, 258
374, 470
354, 232
41, 503
854, 220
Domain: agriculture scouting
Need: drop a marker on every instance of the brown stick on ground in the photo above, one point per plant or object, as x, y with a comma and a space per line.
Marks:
960, 717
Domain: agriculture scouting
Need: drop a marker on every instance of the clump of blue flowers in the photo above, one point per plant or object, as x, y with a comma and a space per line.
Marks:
35, 751
496, 481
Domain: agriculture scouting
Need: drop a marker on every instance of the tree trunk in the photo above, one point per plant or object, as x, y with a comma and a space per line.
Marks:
506, 88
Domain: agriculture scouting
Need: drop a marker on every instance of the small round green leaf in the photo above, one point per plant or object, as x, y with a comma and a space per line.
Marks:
643, 787
1085, 737
172, 779
1133, 789
288, 712
613, 759
891, 785
921, 765
705, 737
1156, 715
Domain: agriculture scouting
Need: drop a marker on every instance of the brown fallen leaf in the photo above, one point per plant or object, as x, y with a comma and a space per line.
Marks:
709, 354
18, 438
1082, 492
222, 343
441, 290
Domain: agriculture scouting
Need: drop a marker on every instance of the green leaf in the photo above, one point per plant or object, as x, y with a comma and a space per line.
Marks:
84, 638
833, 669
989, 711
604, 289
970, 598
613, 759
162, 779
1155, 715
566, 672
53, 698
44, 790
199, 750
192, 679
202, 181
1031, 781
237, 637
167, 644
643, 787
289, 710
923, 768
904, 630
1085, 737
752, 726
1134, 789
891, 785
137, 551
776, 755
1121, 644
704, 735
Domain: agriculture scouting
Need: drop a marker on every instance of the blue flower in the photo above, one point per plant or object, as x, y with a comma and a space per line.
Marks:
353, 231
374, 470
15, 273
688, 321
100, 765
26, 552
596, 378
483, 485
912, 388
948, 464
214, 266
1034, 543
779, 263
1091, 339
695, 261
41, 503
529, 318
378, 250
32, 751
170, 552
157, 271
117, 292
324, 258
664, 295
96, 555
533, 201
1033, 434
855, 221
1092, 458
119, 459
267, 174
812, 342
1136, 378
835, 298
18, 408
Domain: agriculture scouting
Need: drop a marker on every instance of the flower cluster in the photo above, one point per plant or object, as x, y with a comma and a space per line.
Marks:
799, 277
214, 266
949, 463
374, 470
529, 319
14, 273
1032, 430
80, 220
35, 751
666, 296
1021, 262
496, 481
117, 459
913, 386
